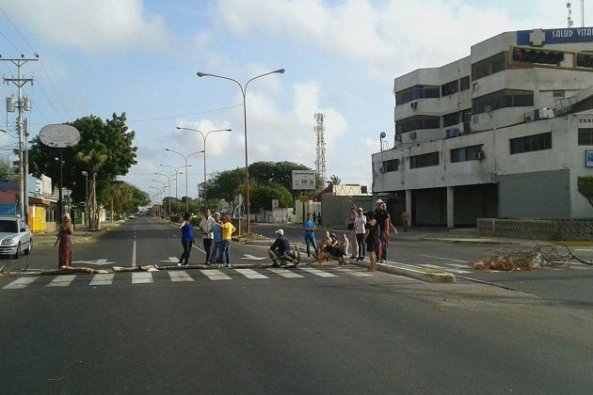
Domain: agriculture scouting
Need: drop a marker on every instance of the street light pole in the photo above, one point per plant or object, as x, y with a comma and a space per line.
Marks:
204, 137
86, 197
185, 157
244, 93
176, 173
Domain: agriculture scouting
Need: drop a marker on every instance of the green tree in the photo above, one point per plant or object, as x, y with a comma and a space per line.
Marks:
6, 170
262, 196
335, 180
585, 188
105, 149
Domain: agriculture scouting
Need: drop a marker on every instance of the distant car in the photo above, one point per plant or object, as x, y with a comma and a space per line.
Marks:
132, 217
15, 237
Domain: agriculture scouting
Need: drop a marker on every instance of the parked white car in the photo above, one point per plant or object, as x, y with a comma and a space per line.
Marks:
15, 237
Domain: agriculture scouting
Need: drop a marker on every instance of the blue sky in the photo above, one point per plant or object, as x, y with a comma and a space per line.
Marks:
141, 57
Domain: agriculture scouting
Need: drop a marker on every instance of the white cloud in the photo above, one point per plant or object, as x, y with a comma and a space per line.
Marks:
91, 26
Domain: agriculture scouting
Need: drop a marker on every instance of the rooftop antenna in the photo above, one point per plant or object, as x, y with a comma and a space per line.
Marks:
582, 13
569, 20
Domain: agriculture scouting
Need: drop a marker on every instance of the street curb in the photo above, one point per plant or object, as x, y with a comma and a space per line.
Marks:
423, 274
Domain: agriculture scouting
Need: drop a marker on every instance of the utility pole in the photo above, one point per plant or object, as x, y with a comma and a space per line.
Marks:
22, 104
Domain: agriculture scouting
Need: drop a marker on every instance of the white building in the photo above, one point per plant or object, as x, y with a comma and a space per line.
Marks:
501, 133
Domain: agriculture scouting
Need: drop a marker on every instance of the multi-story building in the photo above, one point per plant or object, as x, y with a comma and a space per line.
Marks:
502, 133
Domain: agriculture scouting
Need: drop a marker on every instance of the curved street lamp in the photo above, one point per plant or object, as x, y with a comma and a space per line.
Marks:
204, 137
185, 157
177, 172
244, 93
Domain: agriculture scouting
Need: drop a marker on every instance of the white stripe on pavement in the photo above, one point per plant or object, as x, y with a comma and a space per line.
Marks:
177, 276
317, 272
214, 274
351, 272
102, 279
20, 283
251, 274
142, 278
284, 273
441, 268
62, 280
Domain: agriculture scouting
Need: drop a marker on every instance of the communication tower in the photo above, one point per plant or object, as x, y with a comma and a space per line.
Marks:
320, 151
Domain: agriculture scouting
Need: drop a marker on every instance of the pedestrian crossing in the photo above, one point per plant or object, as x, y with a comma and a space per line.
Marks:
177, 276
458, 268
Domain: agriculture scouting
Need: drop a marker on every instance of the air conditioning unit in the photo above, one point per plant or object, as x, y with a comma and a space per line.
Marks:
528, 116
414, 105
412, 135
479, 155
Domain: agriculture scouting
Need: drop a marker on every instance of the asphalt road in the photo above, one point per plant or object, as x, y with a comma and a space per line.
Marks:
336, 330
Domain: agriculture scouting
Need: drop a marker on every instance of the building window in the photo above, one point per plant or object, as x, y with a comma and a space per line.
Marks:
390, 165
585, 136
451, 119
536, 142
417, 122
488, 66
464, 83
424, 160
449, 88
502, 99
467, 153
417, 92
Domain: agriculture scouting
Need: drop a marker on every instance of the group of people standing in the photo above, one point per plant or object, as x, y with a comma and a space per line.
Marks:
368, 233
216, 237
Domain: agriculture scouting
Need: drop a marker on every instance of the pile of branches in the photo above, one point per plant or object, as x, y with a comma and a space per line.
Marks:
526, 258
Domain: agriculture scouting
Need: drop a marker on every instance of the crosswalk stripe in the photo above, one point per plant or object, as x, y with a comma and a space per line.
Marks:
251, 274
62, 280
142, 278
177, 276
214, 274
20, 283
284, 273
318, 272
353, 272
102, 279
436, 267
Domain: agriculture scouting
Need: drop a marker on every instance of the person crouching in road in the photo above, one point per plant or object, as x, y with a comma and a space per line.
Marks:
187, 238
280, 250
64, 239
227, 233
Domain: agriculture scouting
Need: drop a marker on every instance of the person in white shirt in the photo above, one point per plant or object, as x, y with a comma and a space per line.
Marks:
206, 227
359, 228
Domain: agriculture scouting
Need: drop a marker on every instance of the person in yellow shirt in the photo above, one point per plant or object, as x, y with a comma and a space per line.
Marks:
227, 233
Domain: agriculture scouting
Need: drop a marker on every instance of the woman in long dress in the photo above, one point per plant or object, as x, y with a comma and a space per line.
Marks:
64, 240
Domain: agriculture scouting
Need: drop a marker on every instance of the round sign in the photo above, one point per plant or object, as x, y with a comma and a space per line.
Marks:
59, 136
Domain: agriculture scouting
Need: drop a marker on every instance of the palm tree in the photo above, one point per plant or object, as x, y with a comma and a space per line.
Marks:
93, 161
334, 180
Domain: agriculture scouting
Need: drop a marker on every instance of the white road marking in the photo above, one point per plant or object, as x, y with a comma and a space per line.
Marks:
251, 274
444, 268
142, 278
177, 276
20, 283
284, 273
317, 272
214, 274
62, 280
443, 259
134, 250
102, 279
252, 257
353, 272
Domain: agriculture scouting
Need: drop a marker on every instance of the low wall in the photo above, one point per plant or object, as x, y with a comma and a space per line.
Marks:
578, 230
